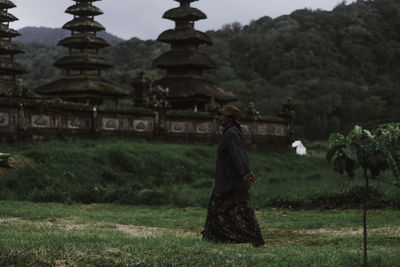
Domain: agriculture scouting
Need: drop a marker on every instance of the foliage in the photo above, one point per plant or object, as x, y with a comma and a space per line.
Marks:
126, 171
374, 151
337, 65
51, 36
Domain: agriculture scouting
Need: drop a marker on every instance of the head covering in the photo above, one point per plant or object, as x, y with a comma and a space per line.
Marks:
230, 111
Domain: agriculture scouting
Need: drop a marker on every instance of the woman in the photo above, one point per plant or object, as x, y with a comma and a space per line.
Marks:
230, 218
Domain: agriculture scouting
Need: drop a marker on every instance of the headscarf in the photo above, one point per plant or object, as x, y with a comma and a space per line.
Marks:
230, 111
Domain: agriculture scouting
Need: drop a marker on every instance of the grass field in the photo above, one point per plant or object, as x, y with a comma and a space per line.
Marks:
120, 235
155, 195
127, 171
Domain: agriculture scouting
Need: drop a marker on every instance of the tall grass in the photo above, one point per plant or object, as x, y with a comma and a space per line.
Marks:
130, 171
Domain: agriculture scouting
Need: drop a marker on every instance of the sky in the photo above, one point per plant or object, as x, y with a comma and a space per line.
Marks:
143, 18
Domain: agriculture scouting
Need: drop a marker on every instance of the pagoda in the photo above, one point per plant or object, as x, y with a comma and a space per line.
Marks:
83, 65
8, 68
184, 64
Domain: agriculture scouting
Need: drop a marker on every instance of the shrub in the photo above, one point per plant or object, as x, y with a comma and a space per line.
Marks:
151, 197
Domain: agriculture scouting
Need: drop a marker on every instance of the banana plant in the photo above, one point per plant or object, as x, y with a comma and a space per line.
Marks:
373, 151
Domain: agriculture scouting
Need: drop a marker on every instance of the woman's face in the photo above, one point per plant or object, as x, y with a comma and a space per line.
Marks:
223, 120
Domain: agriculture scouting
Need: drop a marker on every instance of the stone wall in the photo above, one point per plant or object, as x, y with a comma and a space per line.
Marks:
45, 119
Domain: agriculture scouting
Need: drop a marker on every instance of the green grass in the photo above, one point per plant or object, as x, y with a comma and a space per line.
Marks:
127, 171
116, 235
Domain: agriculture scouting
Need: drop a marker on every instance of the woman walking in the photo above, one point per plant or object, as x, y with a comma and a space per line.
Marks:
230, 219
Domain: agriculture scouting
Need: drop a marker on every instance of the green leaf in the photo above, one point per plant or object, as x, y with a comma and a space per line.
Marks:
336, 139
332, 151
369, 134
376, 150
358, 131
351, 152
384, 141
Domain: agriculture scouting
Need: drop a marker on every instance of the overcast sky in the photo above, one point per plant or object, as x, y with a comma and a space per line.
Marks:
142, 18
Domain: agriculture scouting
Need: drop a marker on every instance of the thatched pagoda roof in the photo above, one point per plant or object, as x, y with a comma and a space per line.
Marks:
184, 64
84, 9
82, 62
184, 58
5, 4
81, 86
83, 25
7, 32
88, 41
188, 35
6, 17
7, 48
84, 86
187, 87
184, 13
186, 1
10, 67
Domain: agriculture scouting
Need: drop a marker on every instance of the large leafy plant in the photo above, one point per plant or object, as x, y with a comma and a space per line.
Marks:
373, 151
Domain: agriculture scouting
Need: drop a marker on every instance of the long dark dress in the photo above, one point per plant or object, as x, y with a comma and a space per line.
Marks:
230, 219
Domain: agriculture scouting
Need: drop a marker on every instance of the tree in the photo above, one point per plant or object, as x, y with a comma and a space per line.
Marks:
336, 64
374, 151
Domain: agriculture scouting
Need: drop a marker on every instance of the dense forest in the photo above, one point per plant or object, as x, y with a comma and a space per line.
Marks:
51, 36
340, 67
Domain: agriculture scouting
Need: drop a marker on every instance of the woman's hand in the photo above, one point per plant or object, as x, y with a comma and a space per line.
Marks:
250, 178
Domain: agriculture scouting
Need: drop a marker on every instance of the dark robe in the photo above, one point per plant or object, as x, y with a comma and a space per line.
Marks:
230, 219
232, 163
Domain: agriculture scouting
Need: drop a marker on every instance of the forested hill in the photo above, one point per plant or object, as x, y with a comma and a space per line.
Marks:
51, 36
340, 67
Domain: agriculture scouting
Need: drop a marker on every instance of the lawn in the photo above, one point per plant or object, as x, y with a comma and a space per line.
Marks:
134, 172
49, 234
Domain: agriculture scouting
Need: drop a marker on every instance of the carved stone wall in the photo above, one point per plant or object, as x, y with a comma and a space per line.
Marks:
19, 121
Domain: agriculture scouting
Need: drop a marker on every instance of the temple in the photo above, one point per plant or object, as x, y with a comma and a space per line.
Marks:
184, 64
168, 109
83, 65
8, 68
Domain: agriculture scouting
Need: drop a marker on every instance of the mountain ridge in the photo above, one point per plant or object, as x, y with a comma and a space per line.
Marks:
51, 36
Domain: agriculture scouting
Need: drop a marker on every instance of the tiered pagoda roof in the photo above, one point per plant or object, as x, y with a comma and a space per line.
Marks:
184, 63
83, 65
8, 68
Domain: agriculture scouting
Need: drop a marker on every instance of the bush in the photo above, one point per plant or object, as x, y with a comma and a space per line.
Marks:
88, 194
151, 197
48, 195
